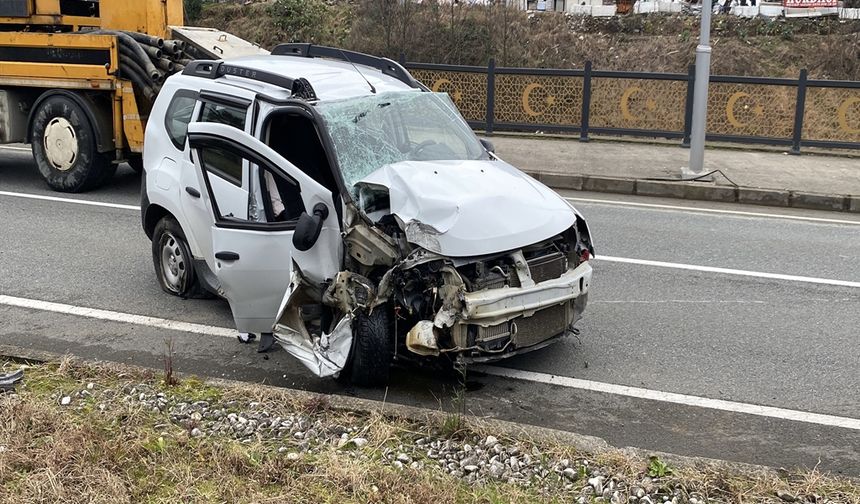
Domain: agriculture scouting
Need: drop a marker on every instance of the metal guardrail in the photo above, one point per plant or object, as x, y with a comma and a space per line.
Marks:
754, 110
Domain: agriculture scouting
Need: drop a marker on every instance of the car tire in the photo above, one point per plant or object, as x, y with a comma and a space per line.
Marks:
174, 264
369, 361
64, 147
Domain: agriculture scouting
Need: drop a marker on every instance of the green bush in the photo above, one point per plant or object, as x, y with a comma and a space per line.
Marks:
299, 20
193, 10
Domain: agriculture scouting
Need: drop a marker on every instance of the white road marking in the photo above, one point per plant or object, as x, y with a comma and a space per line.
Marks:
740, 213
729, 271
584, 200
112, 316
69, 200
606, 388
641, 262
670, 397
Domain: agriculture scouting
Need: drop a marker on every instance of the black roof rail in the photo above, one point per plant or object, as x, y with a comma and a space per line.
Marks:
210, 69
385, 65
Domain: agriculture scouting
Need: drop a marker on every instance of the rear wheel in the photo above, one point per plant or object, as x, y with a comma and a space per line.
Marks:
369, 361
64, 147
173, 261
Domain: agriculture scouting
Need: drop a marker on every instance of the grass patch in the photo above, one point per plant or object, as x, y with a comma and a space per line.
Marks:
110, 446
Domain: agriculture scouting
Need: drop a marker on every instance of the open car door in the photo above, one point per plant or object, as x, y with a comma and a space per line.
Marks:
254, 252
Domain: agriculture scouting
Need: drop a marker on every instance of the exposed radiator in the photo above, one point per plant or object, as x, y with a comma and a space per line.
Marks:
547, 267
542, 325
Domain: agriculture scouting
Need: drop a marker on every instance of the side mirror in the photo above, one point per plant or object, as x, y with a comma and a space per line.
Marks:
309, 227
488, 145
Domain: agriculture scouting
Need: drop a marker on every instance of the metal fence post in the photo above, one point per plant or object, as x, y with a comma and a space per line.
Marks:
491, 95
688, 105
799, 108
402, 59
586, 103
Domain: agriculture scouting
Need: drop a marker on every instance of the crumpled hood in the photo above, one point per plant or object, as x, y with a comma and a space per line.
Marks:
471, 208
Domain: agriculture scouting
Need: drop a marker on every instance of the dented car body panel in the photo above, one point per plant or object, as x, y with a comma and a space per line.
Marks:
468, 208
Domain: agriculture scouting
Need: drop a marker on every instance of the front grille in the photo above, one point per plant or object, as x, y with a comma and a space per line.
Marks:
489, 283
493, 332
547, 267
524, 331
541, 326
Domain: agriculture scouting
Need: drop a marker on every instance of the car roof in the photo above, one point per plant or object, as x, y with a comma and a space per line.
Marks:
330, 79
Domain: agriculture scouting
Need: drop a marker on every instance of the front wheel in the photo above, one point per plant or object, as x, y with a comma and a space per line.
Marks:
173, 261
370, 358
64, 147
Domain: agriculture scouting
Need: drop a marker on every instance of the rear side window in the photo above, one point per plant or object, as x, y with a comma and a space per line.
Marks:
179, 115
223, 114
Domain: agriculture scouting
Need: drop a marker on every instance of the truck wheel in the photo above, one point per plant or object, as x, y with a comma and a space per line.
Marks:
174, 265
64, 146
136, 163
370, 358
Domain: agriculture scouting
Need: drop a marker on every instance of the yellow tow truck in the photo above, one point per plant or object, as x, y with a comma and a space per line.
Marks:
78, 77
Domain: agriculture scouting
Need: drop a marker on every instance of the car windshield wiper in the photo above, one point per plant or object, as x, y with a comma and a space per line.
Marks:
361, 116
364, 114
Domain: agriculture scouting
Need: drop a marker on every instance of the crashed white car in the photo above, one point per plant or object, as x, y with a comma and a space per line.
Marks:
353, 217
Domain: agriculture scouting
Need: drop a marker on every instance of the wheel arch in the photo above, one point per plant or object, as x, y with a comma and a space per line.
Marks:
98, 114
150, 215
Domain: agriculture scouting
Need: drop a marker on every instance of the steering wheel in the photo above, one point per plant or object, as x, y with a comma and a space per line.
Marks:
423, 145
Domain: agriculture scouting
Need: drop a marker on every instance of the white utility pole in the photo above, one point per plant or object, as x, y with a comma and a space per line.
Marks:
700, 97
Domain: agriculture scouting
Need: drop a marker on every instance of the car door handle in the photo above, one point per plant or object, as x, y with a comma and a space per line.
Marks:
192, 191
227, 256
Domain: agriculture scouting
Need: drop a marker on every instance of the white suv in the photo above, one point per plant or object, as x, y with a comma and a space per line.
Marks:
353, 216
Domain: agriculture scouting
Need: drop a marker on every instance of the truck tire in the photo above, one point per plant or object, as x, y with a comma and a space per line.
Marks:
136, 163
369, 361
174, 264
64, 146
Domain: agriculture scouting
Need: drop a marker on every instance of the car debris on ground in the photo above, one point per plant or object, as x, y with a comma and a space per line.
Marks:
8, 380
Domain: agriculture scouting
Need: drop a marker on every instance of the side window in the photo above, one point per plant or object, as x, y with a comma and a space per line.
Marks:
220, 162
223, 114
279, 196
223, 163
179, 115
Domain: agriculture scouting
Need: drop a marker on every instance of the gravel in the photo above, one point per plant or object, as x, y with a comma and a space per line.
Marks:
472, 458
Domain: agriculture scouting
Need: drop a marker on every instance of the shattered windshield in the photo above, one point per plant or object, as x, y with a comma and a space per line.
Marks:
373, 131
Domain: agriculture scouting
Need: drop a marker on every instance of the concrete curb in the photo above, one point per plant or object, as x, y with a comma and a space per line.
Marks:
590, 445
705, 191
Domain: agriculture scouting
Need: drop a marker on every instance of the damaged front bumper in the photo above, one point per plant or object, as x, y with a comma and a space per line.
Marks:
493, 324
487, 306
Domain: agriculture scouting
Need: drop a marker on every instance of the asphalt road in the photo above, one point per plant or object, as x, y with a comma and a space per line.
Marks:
780, 342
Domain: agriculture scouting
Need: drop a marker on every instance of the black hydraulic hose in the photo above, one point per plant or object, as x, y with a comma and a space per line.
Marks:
129, 71
154, 53
153, 73
146, 39
140, 55
172, 47
166, 65
125, 61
